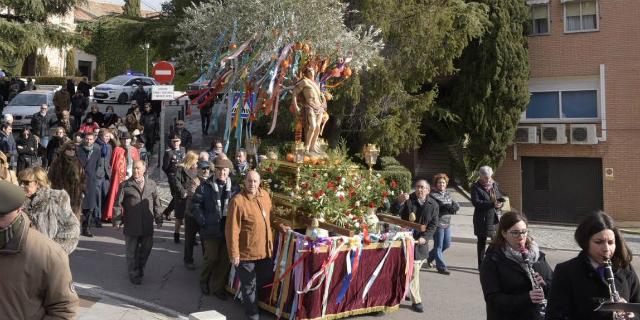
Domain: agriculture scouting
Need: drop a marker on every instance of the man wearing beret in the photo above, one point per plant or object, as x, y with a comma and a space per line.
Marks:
136, 207
210, 205
173, 156
35, 281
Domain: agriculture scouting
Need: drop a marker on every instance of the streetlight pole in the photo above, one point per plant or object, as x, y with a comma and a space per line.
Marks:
146, 53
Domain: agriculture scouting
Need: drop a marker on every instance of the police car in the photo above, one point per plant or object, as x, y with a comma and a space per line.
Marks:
120, 88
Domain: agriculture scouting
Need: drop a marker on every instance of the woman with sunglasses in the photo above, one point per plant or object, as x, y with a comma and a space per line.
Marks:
580, 284
49, 210
514, 275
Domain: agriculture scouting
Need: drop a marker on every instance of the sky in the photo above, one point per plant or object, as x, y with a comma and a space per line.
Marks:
154, 5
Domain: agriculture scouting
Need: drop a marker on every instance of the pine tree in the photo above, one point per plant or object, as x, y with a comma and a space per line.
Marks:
131, 8
490, 92
25, 28
387, 104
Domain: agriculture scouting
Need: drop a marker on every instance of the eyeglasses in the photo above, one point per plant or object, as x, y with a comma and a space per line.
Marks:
518, 233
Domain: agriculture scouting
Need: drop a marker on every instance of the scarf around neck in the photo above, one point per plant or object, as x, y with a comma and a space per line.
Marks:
227, 187
442, 197
103, 147
516, 256
487, 186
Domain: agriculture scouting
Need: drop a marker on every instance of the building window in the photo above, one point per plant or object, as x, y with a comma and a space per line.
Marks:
539, 19
578, 104
580, 15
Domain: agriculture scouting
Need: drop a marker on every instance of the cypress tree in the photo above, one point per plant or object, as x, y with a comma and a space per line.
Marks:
490, 92
131, 8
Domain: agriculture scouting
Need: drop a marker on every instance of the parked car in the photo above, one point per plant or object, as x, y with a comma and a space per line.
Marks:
25, 104
120, 88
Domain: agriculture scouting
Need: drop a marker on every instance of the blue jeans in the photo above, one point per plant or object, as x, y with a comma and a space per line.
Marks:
441, 242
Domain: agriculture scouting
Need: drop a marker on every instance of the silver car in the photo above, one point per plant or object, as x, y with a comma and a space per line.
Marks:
27, 103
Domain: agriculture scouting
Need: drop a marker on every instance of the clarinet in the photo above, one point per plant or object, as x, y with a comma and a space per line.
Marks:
614, 295
542, 307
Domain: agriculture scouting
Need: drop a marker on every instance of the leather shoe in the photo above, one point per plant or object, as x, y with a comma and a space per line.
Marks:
444, 271
204, 288
135, 280
417, 307
221, 295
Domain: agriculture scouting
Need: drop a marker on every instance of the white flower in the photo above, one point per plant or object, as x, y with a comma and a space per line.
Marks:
357, 203
291, 194
368, 187
343, 180
308, 192
310, 198
326, 174
350, 216
393, 193
357, 225
275, 186
340, 187
339, 194
268, 180
378, 175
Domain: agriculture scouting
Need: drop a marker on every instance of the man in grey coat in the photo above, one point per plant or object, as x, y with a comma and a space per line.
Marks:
88, 154
137, 207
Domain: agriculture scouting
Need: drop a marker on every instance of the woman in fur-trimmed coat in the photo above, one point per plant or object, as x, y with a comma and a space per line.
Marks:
49, 210
66, 173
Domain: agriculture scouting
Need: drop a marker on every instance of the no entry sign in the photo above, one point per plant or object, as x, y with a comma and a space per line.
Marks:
163, 72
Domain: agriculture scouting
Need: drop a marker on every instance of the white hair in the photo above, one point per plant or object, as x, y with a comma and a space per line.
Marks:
7, 118
485, 171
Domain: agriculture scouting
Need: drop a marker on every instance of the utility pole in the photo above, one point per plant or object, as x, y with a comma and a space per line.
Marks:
146, 54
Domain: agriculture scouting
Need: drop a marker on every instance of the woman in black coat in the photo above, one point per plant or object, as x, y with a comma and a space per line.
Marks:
27, 146
486, 198
186, 173
511, 290
579, 285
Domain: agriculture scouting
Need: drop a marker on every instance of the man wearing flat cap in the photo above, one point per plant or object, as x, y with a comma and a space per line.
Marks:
191, 227
35, 281
173, 156
210, 204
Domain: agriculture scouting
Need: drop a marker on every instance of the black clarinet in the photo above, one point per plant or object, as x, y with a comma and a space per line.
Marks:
542, 306
614, 295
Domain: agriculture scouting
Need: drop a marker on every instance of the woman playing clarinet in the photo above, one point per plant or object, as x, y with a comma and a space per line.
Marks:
581, 284
514, 274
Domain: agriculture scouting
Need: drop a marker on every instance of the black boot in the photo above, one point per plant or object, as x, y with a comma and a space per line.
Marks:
176, 237
85, 228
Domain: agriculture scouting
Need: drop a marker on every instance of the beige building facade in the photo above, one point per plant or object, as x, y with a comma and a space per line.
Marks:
577, 147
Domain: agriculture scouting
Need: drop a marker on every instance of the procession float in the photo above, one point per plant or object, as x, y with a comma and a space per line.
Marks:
345, 255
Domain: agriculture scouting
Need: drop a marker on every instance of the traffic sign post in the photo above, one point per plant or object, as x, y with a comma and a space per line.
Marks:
164, 94
163, 72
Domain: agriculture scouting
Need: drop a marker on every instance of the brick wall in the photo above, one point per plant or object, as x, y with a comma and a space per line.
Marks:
617, 46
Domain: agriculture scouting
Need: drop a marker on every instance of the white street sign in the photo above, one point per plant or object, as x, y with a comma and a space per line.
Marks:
162, 92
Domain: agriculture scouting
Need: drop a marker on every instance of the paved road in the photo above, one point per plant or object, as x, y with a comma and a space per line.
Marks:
100, 262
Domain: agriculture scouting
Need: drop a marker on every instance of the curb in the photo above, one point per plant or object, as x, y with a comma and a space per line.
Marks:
146, 305
627, 231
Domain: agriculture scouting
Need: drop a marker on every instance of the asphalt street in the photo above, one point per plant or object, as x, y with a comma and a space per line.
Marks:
100, 262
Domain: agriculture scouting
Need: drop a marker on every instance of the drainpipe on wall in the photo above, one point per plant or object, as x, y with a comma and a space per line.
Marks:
603, 106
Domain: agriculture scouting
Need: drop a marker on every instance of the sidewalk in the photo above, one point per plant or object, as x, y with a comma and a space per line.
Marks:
548, 236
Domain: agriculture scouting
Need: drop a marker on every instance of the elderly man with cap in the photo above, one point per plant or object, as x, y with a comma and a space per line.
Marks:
137, 207
183, 133
173, 156
191, 227
35, 280
210, 206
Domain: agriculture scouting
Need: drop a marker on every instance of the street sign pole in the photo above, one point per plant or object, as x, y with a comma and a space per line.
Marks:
161, 149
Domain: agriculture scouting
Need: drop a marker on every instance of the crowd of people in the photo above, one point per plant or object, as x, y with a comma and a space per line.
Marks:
62, 177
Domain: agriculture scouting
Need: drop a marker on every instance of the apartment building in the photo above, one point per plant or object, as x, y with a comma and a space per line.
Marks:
577, 146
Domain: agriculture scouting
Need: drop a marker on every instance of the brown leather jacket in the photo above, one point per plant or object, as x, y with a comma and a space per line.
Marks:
248, 229
35, 280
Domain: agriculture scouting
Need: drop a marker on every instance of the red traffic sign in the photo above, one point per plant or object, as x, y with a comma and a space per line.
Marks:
163, 72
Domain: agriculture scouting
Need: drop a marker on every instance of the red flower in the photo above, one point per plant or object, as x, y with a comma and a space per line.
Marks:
394, 184
372, 205
352, 191
341, 198
385, 194
318, 194
331, 186
339, 179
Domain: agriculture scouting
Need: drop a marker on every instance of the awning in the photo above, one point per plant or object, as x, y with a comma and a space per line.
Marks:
532, 2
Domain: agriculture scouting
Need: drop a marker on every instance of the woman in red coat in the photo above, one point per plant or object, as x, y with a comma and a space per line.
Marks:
121, 169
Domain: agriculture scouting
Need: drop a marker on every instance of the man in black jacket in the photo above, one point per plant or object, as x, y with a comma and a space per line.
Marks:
8, 145
183, 133
419, 208
149, 121
172, 157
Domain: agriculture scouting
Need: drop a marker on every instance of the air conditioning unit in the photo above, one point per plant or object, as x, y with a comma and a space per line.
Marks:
553, 133
583, 134
528, 134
